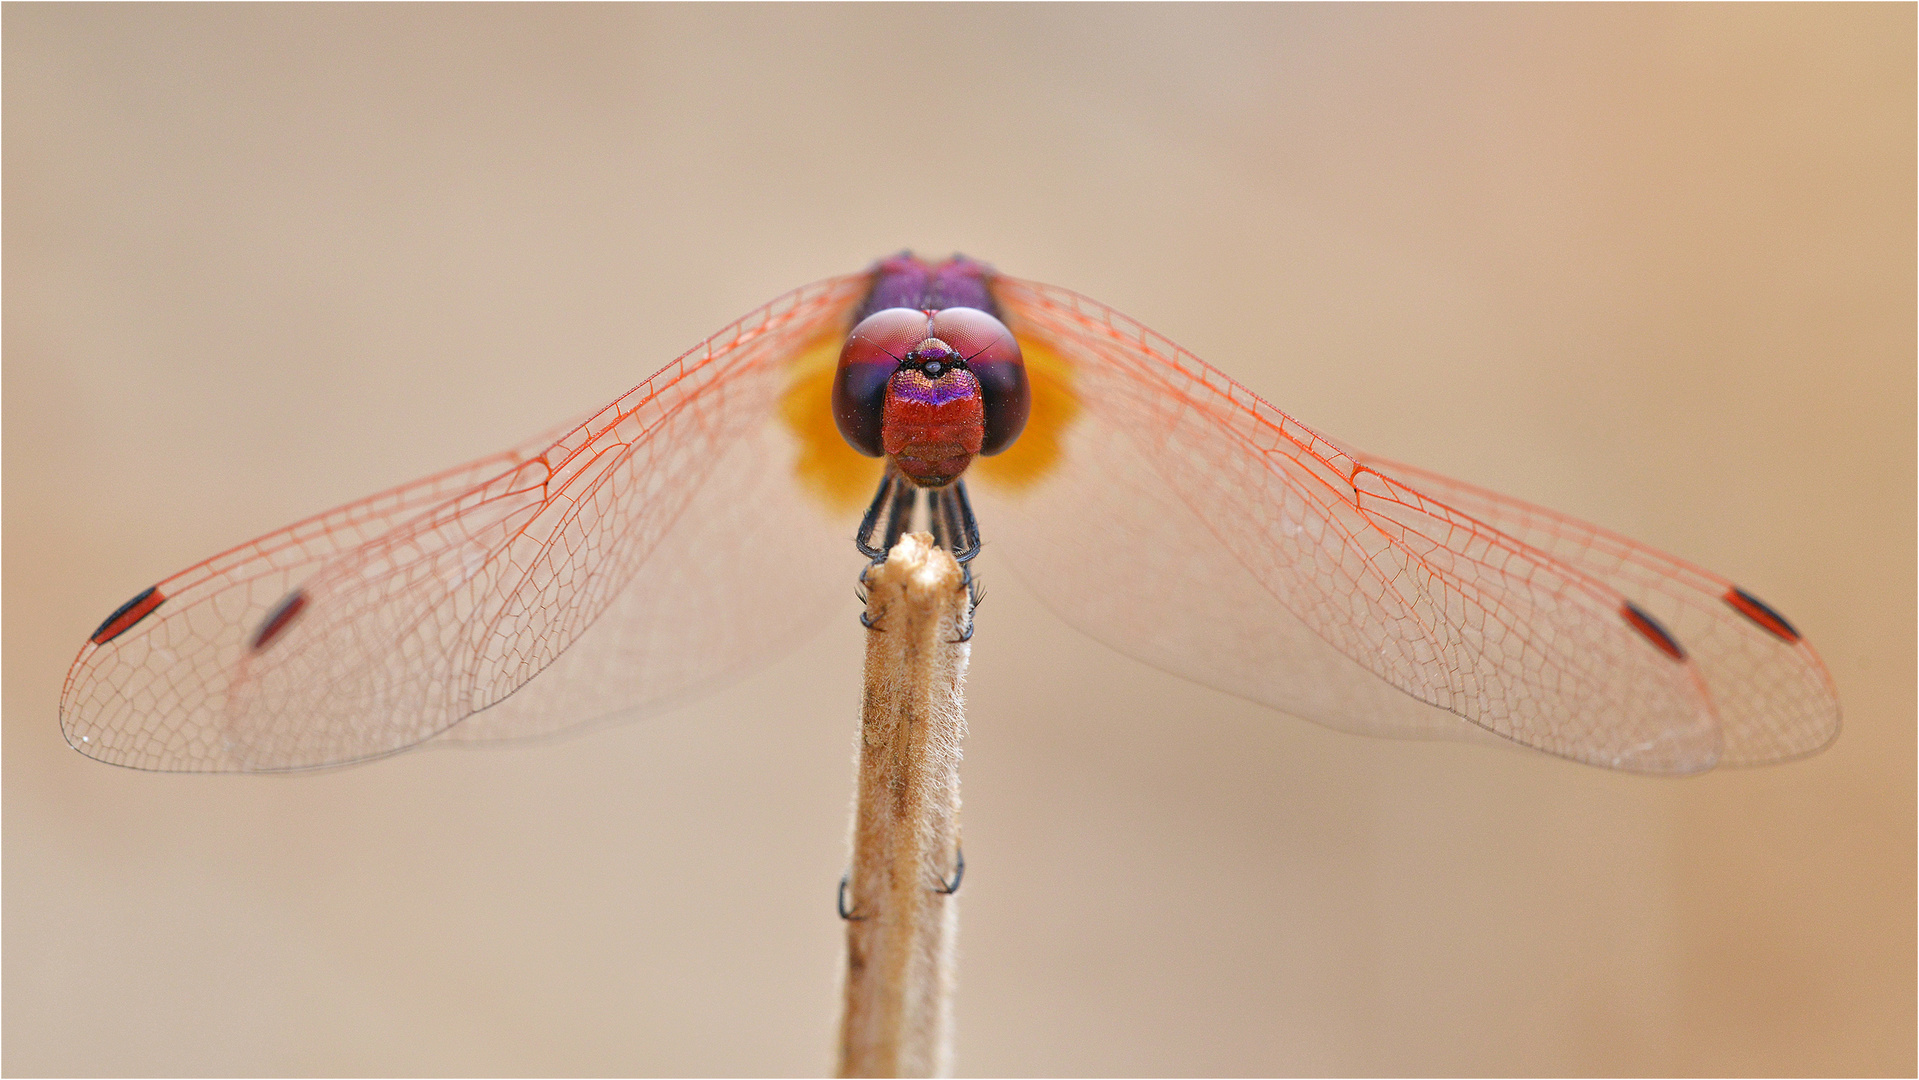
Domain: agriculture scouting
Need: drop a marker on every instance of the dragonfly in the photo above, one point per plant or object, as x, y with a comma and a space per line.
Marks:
675, 538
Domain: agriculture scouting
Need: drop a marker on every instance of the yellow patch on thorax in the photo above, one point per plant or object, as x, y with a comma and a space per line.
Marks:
1038, 448
841, 478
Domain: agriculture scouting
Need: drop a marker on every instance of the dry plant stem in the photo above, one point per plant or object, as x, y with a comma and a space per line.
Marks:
899, 935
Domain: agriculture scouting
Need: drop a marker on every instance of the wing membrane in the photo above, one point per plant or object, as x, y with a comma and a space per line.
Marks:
1192, 524
1774, 696
432, 602
669, 541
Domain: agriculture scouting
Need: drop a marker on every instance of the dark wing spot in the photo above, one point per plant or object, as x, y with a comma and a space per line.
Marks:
127, 614
1655, 633
1758, 611
279, 619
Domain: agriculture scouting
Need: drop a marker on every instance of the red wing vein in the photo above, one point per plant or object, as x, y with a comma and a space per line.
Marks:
1443, 605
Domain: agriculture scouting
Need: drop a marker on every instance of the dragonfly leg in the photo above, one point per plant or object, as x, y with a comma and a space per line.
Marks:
897, 496
946, 887
975, 592
953, 522
899, 517
895, 499
938, 521
966, 635
969, 525
956, 530
846, 912
949, 516
866, 618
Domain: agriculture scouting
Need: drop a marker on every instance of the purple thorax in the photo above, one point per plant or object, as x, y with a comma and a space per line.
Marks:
909, 282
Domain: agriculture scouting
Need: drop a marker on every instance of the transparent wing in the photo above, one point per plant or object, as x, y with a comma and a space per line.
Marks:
1174, 515
1774, 697
631, 557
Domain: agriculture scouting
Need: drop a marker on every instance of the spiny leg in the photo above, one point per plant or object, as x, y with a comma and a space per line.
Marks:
949, 886
938, 522
896, 496
895, 499
899, 515
958, 531
949, 517
962, 529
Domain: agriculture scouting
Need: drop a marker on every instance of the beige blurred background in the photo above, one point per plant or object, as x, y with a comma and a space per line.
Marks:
1653, 266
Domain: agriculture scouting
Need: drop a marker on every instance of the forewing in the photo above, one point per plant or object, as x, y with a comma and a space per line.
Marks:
427, 604
1190, 523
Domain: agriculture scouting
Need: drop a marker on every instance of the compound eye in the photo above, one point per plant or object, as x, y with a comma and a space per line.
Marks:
872, 353
992, 355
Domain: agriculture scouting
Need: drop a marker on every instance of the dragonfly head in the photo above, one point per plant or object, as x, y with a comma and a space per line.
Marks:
931, 390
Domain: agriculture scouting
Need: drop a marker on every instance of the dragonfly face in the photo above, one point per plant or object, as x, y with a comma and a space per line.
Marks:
930, 387
1150, 500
